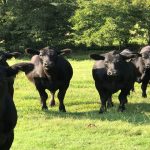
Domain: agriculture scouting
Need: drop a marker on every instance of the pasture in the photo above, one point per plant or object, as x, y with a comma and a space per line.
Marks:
81, 127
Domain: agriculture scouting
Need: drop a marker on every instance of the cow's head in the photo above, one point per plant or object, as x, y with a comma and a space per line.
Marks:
4, 56
113, 61
48, 56
146, 59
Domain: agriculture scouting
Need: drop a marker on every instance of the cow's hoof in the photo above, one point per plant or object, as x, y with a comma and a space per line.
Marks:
102, 110
109, 105
44, 108
121, 108
62, 109
52, 103
144, 95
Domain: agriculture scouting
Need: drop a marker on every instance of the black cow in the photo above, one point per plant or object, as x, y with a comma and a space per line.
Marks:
52, 72
112, 73
8, 113
145, 52
4, 56
142, 65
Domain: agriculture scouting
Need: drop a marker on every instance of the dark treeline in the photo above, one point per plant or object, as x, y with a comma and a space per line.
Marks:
80, 24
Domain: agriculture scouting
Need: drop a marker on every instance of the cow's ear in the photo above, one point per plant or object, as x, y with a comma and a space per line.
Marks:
24, 66
31, 51
14, 69
66, 51
130, 55
9, 55
97, 57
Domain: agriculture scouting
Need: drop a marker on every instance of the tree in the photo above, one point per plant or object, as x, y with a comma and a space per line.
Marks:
36, 23
105, 22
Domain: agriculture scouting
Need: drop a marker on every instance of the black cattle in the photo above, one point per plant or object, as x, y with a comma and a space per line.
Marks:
4, 56
8, 113
145, 52
111, 73
142, 65
52, 72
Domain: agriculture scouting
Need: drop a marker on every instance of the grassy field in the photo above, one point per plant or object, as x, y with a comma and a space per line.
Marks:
82, 127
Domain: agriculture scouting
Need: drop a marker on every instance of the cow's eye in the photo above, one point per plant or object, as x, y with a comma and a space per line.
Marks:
144, 56
40, 54
106, 63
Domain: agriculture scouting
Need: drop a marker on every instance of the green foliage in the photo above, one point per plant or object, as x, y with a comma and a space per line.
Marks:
35, 23
109, 22
57, 23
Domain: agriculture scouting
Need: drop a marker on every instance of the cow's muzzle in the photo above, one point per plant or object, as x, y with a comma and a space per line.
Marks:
112, 73
48, 66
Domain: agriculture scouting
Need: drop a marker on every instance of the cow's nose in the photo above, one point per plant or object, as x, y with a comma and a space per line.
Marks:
109, 73
112, 73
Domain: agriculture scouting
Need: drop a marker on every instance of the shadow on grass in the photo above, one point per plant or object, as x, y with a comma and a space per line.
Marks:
135, 113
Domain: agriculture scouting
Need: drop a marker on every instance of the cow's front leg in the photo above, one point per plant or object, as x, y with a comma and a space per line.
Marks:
61, 95
43, 96
123, 99
144, 87
103, 98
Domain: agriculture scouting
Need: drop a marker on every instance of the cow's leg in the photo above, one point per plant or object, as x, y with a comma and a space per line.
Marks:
123, 99
103, 97
43, 96
61, 95
9, 141
109, 102
52, 101
144, 87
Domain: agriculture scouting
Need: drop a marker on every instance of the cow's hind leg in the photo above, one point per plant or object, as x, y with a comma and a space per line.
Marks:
52, 101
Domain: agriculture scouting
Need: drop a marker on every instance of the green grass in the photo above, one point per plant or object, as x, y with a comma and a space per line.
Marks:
82, 127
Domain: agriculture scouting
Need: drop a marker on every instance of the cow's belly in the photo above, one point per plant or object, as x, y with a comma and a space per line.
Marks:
113, 87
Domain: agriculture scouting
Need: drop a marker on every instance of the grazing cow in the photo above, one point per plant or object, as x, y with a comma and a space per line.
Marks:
142, 65
4, 56
52, 72
8, 113
112, 73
